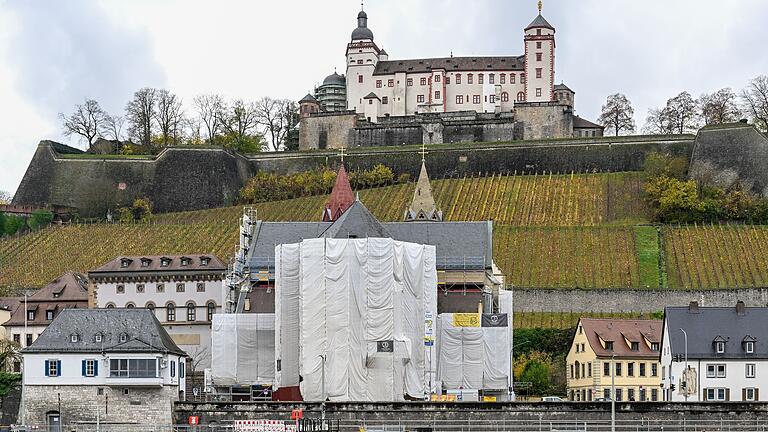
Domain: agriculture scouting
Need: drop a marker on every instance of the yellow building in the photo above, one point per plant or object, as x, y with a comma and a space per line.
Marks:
627, 350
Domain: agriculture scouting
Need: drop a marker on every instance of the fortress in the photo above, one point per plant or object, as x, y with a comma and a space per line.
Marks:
442, 100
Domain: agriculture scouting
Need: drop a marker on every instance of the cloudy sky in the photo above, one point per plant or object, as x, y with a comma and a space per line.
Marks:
54, 54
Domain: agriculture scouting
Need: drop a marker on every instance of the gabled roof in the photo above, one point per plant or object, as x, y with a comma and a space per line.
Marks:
580, 123
341, 197
562, 86
539, 21
371, 95
155, 263
143, 331
711, 324
451, 64
308, 98
619, 331
357, 221
69, 290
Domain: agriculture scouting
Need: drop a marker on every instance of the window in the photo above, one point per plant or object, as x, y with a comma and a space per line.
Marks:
160, 288
470, 79
750, 394
49, 315
716, 371
491, 79
511, 78
663, 371
577, 348
571, 371
655, 346
165, 262
378, 83
618, 395
98, 338
720, 347
205, 260
630, 394
28, 339
150, 306
502, 79
750, 370
74, 338
504, 96
17, 338
191, 312
437, 78
211, 309
641, 372
123, 337
370, 101
170, 312
437, 95
201, 287
631, 369
173, 369
390, 83
360, 61
459, 99
606, 369
538, 45
607, 393
52, 368
538, 32
538, 56
475, 99
715, 394
384, 101
360, 79
492, 98
520, 96
180, 287
634, 346
420, 98
130, 305
749, 347
89, 368
609, 345
181, 369
145, 263
140, 288
654, 395
30, 315
458, 78
643, 396
538, 92
522, 78
125, 262
447, 80
479, 78
133, 368
589, 369
120, 289
618, 369
423, 81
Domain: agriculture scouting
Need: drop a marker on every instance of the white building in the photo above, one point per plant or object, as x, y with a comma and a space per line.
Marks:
726, 351
379, 86
184, 292
117, 365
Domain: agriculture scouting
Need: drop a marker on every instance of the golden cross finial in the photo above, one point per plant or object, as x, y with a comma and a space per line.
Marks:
423, 151
342, 154
540, 4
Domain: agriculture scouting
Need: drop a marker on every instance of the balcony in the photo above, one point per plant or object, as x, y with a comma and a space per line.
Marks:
124, 381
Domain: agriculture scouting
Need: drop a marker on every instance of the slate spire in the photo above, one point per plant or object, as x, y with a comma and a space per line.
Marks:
341, 197
423, 206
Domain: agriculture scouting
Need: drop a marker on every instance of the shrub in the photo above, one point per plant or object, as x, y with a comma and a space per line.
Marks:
139, 211
40, 219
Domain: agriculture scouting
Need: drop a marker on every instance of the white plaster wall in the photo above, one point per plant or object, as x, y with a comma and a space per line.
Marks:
106, 293
545, 83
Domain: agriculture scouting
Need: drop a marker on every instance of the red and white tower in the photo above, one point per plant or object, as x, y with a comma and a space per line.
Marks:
539, 60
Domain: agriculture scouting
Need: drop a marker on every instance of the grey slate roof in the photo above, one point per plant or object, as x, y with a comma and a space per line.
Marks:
459, 244
709, 323
308, 98
506, 63
335, 78
371, 95
539, 21
144, 331
580, 123
562, 86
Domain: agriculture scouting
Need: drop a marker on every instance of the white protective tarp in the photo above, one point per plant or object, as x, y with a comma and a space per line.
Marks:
353, 326
472, 357
242, 349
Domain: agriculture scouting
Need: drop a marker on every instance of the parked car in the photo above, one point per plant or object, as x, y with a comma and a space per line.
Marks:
552, 399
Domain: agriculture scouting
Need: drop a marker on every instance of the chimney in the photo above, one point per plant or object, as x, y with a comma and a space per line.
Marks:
740, 309
693, 307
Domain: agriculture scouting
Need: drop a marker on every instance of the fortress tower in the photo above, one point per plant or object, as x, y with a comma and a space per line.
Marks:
539, 60
362, 57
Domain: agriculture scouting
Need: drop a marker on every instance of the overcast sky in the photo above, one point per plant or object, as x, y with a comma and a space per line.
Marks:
54, 54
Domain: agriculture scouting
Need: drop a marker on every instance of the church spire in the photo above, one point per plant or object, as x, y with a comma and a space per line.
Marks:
423, 206
341, 197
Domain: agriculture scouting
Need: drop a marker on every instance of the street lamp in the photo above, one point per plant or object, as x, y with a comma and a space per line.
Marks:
685, 371
613, 393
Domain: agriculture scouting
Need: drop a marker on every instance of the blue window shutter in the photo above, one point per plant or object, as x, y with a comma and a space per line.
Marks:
83, 367
95, 368
58, 368
173, 368
47, 367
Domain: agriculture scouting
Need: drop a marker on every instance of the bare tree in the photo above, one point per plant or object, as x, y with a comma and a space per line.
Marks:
658, 122
210, 109
618, 114
719, 107
140, 112
681, 110
755, 98
5, 197
169, 117
113, 126
240, 119
86, 120
277, 117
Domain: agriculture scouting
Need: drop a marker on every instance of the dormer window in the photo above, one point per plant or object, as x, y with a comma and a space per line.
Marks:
654, 346
185, 261
204, 261
30, 315
145, 262
720, 347
98, 338
609, 345
749, 347
125, 262
74, 338
123, 337
634, 346
165, 262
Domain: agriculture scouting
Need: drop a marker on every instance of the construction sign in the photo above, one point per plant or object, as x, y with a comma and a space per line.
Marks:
466, 320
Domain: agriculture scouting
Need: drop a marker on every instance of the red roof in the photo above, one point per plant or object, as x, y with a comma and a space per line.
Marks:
341, 197
69, 290
622, 332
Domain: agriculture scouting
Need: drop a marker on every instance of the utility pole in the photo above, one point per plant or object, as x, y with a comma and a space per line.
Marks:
613, 393
685, 371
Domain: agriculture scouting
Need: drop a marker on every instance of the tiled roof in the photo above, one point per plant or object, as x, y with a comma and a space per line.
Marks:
506, 63
341, 197
580, 123
142, 330
160, 263
622, 332
69, 290
709, 323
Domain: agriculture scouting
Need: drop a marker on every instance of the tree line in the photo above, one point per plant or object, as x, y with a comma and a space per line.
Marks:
156, 118
684, 114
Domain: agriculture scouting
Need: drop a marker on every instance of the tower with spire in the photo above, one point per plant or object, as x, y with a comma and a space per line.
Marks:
539, 60
423, 206
362, 56
341, 197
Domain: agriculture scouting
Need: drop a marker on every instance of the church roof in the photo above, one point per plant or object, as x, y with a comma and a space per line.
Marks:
308, 98
504, 63
357, 222
539, 21
423, 204
341, 197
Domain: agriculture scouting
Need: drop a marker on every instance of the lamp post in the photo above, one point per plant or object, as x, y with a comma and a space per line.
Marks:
685, 371
613, 393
